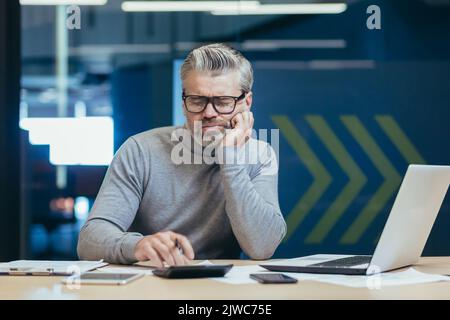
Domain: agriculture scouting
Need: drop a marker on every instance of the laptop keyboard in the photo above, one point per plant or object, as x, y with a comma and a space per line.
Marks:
344, 262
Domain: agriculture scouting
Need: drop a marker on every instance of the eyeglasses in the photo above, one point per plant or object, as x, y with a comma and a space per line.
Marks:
222, 104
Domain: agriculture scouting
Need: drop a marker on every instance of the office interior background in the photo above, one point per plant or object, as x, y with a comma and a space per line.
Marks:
354, 107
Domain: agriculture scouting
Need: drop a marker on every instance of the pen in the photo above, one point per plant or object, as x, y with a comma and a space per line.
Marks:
177, 245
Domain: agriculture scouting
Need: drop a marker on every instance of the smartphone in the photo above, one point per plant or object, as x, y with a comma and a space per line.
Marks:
272, 278
103, 278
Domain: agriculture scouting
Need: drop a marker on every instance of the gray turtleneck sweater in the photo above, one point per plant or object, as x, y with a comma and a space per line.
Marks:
221, 208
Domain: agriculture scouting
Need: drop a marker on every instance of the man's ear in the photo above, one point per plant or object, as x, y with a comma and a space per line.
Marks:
249, 100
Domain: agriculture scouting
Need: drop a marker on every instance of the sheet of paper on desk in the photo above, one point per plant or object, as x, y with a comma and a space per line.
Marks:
397, 278
151, 264
145, 267
56, 266
126, 269
240, 275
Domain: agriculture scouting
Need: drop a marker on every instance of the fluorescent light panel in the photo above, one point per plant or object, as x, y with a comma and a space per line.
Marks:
176, 6
62, 2
303, 8
267, 44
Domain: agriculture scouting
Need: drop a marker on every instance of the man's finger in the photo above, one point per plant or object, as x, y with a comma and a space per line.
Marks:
153, 256
163, 251
232, 122
173, 250
178, 257
246, 118
237, 120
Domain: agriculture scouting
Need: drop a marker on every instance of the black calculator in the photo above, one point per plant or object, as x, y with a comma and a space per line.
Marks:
195, 271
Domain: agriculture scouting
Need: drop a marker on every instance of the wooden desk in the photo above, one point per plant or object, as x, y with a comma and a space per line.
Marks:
151, 287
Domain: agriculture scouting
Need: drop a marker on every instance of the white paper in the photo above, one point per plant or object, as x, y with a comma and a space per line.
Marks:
61, 267
376, 281
145, 268
151, 264
127, 270
204, 263
241, 275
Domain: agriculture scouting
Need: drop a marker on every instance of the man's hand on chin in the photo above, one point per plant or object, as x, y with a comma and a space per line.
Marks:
242, 125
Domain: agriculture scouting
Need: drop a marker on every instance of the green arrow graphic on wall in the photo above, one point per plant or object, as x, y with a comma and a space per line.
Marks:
356, 178
322, 178
399, 139
385, 191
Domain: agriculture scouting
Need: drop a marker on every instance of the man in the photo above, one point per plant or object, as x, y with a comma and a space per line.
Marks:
151, 206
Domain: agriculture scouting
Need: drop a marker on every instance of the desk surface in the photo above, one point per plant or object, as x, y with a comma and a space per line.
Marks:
151, 287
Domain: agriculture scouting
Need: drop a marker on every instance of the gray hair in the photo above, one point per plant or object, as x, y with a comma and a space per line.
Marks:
219, 58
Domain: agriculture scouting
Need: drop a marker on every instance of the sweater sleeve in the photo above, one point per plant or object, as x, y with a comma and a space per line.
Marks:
252, 205
105, 236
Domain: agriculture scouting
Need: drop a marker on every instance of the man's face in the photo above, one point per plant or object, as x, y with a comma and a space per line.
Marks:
205, 84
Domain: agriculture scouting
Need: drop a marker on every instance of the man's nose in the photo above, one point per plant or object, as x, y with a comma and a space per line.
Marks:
209, 111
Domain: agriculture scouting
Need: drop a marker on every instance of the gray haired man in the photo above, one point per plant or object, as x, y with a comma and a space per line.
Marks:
149, 206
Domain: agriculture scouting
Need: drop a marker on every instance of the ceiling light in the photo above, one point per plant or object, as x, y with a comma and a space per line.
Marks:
303, 8
62, 2
174, 6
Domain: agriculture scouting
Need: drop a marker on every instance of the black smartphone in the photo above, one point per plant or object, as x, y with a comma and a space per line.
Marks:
272, 278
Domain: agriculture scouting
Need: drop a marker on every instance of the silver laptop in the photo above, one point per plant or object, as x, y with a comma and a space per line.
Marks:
404, 235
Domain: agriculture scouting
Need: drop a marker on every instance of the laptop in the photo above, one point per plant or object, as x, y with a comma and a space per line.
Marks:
404, 235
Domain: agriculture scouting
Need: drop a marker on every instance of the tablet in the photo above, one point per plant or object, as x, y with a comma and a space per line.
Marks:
103, 278
195, 271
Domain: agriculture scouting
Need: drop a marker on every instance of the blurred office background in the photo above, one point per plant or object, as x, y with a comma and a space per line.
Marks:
354, 107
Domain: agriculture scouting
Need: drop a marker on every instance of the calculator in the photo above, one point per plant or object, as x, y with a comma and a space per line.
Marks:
195, 271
